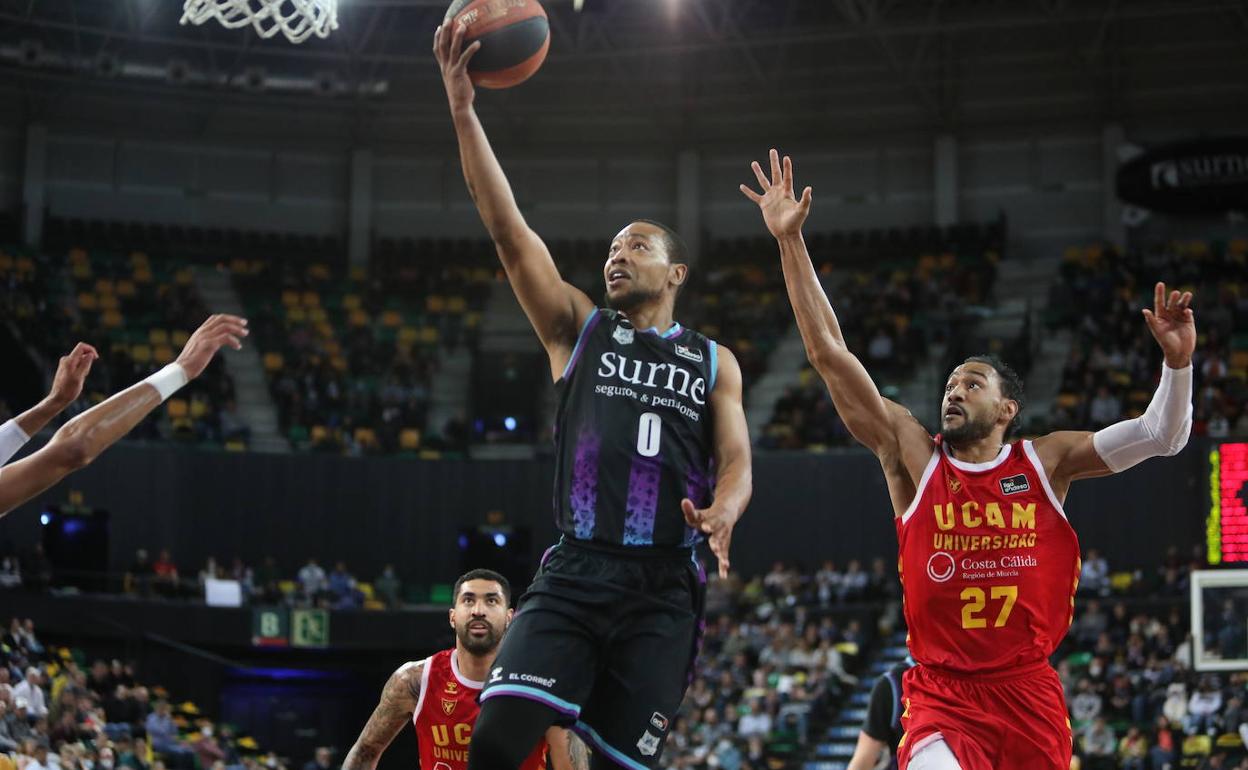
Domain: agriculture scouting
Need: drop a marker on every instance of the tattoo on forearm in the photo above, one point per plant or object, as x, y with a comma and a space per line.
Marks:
398, 701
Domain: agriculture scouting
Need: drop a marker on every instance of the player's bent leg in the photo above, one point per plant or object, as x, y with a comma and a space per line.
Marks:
935, 755
507, 731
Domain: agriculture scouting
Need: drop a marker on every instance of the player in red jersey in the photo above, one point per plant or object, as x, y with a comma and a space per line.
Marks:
438, 695
988, 561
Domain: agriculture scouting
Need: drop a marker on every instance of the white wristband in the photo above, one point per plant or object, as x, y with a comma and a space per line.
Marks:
168, 380
12, 438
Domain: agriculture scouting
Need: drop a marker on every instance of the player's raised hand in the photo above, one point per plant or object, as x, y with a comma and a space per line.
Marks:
218, 331
783, 212
1173, 325
71, 372
448, 49
716, 523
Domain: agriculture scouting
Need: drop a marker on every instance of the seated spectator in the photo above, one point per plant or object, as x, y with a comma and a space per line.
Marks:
388, 588
321, 761
1099, 745
162, 734
140, 574
342, 588
10, 572
165, 574
312, 580
30, 693
1203, 708
1094, 575
755, 723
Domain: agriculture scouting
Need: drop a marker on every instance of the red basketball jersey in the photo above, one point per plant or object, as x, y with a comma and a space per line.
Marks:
446, 713
988, 563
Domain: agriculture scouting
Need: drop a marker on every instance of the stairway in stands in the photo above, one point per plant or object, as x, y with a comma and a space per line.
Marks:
835, 747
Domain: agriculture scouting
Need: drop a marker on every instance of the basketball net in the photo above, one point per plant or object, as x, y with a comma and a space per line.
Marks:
296, 19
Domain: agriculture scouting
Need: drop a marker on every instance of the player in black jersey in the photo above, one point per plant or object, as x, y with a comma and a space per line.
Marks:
652, 455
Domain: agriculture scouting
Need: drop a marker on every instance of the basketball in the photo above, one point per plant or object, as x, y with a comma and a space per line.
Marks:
514, 35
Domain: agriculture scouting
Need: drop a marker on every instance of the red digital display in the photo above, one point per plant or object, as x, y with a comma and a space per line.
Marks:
1227, 530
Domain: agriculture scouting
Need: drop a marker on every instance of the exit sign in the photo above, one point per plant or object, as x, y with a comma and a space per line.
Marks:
309, 628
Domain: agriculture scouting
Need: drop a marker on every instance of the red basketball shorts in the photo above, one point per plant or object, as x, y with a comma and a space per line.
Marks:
1016, 719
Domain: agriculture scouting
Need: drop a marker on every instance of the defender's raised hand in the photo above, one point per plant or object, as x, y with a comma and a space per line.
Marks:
71, 372
1173, 325
215, 333
783, 212
448, 49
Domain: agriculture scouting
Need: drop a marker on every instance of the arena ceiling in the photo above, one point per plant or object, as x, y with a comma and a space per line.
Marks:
642, 70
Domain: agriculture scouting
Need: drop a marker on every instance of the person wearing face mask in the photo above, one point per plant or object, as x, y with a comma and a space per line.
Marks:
438, 695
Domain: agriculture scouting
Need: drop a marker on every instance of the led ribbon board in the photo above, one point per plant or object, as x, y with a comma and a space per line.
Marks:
1226, 530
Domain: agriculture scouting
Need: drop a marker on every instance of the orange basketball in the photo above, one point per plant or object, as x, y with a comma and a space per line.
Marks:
514, 35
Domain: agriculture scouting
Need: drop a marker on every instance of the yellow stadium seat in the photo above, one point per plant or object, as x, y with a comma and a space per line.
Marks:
1120, 581
109, 302
367, 590
138, 258
77, 254
429, 335
408, 335
142, 275
239, 266
158, 336
290, 298
296, 314
391, 319
112, 319
358, 273
104, 286
1239, 359
311, 299
81, 272
409, 439
88, 301
350, 302
456, 305
319, 272
317, 315
162, 354
358, 318
319, 434
6, 763
1068, 400
6, 262
273, 362
331, 347
179, 338
366, 437
287, 587
184, 277
126, 288
338, 362
436, 303
178, 408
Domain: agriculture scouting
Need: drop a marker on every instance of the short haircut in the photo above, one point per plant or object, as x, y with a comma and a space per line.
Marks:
677, 249
1011, 385
483, 574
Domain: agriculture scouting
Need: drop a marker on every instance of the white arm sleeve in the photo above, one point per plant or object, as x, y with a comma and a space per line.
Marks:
1160, 432
12, 438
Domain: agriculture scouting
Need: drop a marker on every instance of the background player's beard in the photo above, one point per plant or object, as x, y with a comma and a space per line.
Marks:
481, 646
970, 430
630, 300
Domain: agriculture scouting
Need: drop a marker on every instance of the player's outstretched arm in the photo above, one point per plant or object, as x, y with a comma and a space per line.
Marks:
71, 372
1166, 424
734, 474
567, 750
395, 709
871, 419
83, 438
554, 307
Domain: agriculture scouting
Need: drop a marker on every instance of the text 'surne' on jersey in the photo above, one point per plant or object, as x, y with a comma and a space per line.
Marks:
634, 433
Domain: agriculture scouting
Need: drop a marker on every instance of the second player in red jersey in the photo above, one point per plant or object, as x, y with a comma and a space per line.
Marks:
987, 559
438, 695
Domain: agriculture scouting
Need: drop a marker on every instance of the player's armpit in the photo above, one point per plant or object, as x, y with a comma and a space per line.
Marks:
398, 702
567, 750
1068, 455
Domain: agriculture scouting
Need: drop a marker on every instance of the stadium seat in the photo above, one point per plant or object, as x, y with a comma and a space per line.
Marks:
409, 439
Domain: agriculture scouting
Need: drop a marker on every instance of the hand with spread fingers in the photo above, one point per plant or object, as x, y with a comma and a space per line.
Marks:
1173, 325
453, 57
717, 524
215, 333
783, 212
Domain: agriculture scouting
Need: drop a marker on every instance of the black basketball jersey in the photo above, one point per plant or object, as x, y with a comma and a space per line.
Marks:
633, 433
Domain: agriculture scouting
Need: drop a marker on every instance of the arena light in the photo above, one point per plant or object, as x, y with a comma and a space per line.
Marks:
500, 539
509, 423
45, 519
